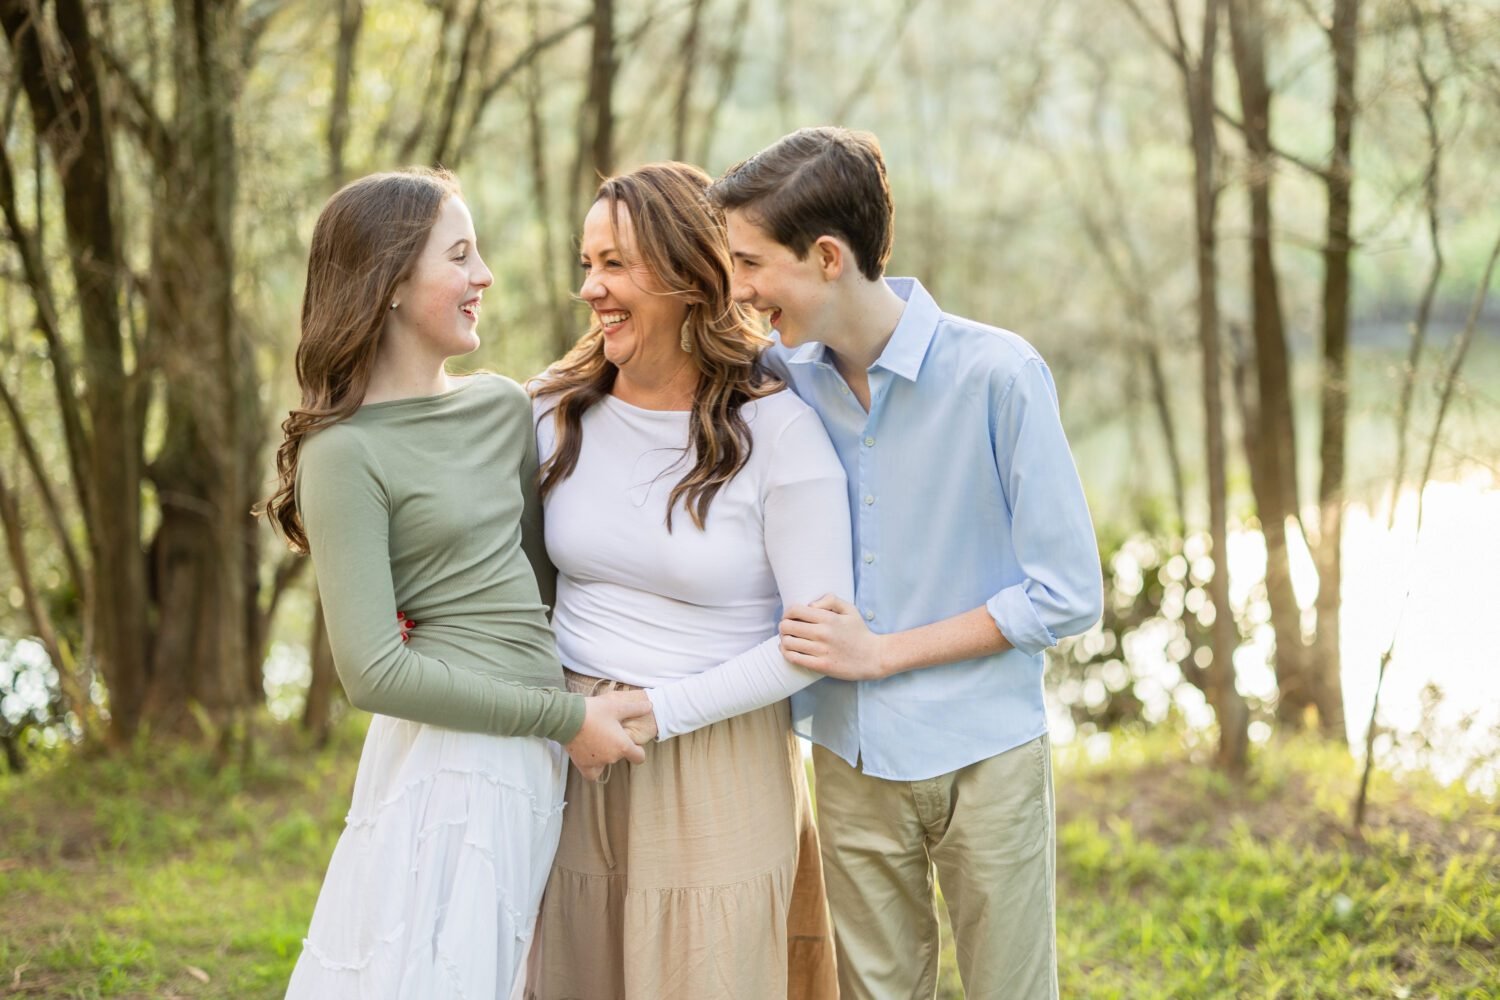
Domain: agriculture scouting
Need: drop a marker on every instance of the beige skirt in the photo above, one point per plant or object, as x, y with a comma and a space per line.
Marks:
695, 875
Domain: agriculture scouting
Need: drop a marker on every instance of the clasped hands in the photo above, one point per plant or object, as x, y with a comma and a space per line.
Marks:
828, 636
616, 725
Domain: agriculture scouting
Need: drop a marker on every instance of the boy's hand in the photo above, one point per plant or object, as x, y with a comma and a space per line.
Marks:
829, 636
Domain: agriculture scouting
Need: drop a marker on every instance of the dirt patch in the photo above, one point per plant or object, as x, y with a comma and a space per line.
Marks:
1179, 801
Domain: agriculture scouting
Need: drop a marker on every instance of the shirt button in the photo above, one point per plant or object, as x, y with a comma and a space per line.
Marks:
869, 442
869, 557
844, 389
869, 615
869, 499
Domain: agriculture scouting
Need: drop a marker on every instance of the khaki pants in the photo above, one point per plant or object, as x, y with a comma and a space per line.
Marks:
988, 830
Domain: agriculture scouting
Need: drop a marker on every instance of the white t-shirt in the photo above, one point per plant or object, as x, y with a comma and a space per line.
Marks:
692, 614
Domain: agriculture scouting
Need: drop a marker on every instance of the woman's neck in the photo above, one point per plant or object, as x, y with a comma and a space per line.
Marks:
670, 385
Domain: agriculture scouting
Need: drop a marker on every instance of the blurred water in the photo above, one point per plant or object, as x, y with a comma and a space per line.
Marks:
1438, 597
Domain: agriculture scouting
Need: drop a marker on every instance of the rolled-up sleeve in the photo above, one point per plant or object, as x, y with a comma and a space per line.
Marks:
1061, 591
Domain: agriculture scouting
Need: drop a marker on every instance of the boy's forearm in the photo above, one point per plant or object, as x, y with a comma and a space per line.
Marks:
962, 637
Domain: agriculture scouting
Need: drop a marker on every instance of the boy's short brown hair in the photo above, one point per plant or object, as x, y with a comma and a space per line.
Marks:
817, 182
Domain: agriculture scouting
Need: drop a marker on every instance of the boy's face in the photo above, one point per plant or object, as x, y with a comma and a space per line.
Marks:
770, 279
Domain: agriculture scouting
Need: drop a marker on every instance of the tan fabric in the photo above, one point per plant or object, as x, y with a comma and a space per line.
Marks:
988, 833
695, 875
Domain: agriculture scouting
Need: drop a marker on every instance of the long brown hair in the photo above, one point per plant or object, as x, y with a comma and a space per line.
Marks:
365, 243
681, 237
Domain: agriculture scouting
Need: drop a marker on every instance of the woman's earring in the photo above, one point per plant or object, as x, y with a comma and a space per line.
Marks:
687, 338
393, 305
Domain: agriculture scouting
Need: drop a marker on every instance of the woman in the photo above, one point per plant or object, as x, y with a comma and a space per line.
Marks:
408, 484
688, 497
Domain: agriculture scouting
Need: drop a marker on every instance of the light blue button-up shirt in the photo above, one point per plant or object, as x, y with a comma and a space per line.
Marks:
963, 493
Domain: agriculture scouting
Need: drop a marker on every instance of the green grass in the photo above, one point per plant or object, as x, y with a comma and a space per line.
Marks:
152, 876
1173, 882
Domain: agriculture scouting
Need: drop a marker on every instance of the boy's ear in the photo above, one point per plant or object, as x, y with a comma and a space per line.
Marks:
830, 254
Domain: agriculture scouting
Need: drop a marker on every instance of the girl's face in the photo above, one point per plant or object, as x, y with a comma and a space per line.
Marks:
438, 304
641, 319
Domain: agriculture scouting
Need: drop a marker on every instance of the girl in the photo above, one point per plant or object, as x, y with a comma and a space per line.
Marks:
412, 488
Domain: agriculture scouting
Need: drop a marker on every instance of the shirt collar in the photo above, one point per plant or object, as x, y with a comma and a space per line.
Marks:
907, 347
811, 352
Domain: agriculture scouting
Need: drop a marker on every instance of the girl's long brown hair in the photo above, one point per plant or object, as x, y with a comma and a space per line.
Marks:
365, 243
682, 238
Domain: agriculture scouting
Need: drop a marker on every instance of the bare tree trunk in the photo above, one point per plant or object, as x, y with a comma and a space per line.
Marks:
596, 124
1229, 706
688, 55
1431, 186
729, 65
63, 91
602, 66
351, 14
204, 555
556, 303
448, 11
317, 713
1326, 668
1198, 90
475, 36
1273, 464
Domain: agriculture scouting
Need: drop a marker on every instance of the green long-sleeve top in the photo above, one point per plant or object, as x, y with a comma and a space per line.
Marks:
428, 505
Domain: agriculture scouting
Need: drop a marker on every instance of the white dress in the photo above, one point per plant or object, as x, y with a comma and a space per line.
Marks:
442, 821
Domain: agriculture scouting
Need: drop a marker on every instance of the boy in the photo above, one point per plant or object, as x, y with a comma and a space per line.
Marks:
973, 553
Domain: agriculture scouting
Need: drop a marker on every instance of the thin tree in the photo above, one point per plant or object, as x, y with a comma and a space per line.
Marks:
1338, 244
1270, 429
1197, 74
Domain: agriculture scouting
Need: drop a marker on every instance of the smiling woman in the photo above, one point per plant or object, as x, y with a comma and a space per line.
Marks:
696, 872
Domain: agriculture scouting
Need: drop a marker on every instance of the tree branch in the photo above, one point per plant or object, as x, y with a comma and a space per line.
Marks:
522, 61
1239, 126
74, 694
137, 110
63, 373
1177, 53
862, 84
1450, 381
33, 458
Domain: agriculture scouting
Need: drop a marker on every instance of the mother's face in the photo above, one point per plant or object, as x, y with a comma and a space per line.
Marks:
640, 318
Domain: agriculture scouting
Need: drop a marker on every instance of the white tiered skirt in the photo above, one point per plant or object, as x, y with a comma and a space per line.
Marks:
433, 889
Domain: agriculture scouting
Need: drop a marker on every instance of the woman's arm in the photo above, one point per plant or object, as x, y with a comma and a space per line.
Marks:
808, 544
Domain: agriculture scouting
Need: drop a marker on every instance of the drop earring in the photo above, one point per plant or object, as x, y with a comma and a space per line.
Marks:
687, 338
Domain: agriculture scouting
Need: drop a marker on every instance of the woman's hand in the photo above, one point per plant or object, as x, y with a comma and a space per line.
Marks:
643, 728
603, 738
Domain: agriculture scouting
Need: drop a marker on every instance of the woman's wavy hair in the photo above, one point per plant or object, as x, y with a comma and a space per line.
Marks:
682, 238
365, 243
